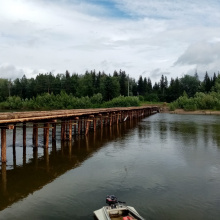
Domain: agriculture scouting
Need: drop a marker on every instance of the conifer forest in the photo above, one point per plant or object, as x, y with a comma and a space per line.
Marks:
98, 89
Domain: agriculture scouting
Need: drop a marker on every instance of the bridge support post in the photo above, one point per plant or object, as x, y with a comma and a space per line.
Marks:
117, 119
3, 145
46, 156
79, 126
70, 130
14, 135
94, 125
54, 131
87, 127
24, 134
74, 128
35, 134
4, 179
110, 120
46, 134
63, 130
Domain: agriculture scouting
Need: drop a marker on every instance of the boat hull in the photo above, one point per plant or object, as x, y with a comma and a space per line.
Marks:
118, 212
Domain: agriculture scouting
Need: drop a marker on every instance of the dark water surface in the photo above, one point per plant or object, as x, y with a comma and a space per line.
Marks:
166, 166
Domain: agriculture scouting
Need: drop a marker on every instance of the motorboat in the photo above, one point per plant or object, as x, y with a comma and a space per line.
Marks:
116, 210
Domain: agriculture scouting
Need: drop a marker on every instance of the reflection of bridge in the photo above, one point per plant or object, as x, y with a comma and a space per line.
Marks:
19, 182
72, 122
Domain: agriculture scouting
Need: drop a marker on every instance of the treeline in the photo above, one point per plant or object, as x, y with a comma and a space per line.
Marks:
208, 98
91, 84
77, 85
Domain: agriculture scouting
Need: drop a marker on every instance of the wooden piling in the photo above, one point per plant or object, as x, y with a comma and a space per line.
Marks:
79, 126
87, 127
94, 124
74, 128
35, 157
3, 145
46, 156
46, 134
24, 134
70, 150
35, 134
62, 130
110, 122
70, 130
54, 131
4, 179
14, 135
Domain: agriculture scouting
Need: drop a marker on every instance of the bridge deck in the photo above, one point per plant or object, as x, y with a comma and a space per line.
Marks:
82, 119
16, 117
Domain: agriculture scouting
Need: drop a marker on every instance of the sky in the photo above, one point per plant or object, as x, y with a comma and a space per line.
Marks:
147, 38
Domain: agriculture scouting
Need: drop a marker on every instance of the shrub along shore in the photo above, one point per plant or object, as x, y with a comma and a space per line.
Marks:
196, 112
48, 101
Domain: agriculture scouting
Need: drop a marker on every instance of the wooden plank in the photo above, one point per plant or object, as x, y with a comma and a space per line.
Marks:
17, 117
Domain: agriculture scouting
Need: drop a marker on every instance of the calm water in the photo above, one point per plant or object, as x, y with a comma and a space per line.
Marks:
166, 166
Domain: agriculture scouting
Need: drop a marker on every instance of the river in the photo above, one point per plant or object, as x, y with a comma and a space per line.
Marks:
167, 166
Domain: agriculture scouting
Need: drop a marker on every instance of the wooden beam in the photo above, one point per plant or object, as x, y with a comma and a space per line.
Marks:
46, 135
24, 134
70, 130
35, 134
4, 179
3, 145
54, 131
14, 135
62, 130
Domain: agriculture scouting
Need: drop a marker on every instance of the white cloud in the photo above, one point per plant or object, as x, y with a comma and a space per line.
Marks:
10, 71
201, 53
79, 35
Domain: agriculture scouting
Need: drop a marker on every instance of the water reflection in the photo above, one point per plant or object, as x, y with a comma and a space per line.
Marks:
41, 169
167, 166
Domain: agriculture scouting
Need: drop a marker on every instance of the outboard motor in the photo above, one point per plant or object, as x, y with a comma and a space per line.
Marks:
111, 199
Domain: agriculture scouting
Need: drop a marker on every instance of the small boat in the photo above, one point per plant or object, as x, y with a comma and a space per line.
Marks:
116, 210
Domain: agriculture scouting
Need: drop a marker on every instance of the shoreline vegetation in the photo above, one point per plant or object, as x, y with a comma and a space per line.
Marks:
48, 102
196, 112
100, 90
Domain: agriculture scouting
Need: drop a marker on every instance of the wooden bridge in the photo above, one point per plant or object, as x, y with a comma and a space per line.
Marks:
72, 122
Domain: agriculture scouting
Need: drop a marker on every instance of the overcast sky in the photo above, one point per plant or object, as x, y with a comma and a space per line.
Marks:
141, 37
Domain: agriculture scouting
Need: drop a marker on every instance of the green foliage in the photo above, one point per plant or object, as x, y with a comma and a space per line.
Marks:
190, 105
4, 89
97, 99
141, 98
152, 97
122, 101
199, 101
48, 101
66, 90
173, 106
190, 84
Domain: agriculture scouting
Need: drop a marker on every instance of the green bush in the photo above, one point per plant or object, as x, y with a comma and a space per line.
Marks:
97, 99
173, 106
153, 97
122, 101
199, 101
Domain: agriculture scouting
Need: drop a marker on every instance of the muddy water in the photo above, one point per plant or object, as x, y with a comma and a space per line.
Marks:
166, 166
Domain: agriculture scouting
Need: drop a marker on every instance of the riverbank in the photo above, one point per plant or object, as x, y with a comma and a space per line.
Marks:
197, 112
